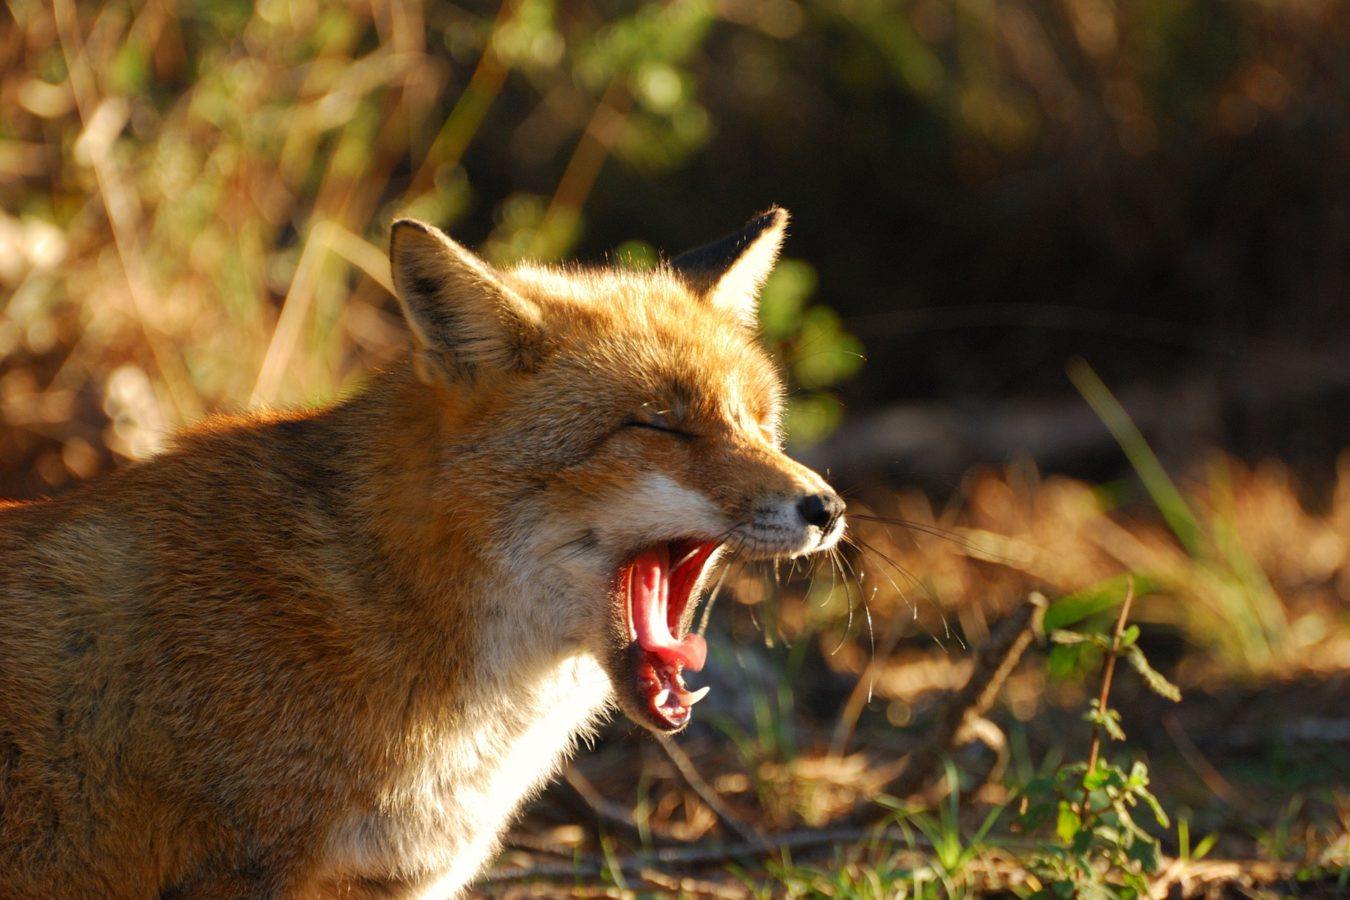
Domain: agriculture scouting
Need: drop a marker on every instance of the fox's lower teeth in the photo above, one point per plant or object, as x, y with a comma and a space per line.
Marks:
676, 698
689, 698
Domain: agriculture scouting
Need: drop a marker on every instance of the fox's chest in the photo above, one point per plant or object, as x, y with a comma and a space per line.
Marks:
445, 813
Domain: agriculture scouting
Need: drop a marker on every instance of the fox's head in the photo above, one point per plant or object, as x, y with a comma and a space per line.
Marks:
622, 429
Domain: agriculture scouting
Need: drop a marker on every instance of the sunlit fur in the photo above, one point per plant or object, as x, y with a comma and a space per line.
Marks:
329, 653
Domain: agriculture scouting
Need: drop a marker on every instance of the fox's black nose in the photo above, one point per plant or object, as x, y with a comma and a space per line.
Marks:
821, 510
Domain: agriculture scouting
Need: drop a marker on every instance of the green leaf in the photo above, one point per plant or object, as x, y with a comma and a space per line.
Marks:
1082, 847
1111, 722
1144, 852
1062, 662
1127, 820
1137, 883
1036, 815
1098, 778
1107, 718
1067, 823
893, 803
1155, 681
1104, 595
1158, 812
1206, 844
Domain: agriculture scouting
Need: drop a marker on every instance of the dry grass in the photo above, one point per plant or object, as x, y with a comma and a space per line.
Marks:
1006, 534
840, 698
196, 198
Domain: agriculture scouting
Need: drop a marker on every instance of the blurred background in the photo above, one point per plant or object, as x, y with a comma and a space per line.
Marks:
1006, 215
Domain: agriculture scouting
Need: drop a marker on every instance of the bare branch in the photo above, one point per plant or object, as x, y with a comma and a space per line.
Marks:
1108, 671
994, 662
706, 792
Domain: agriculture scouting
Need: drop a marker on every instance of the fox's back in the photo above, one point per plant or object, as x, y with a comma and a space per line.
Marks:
230, 640
163, 631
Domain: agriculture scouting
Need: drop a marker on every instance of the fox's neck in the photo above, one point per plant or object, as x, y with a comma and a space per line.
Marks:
473, 706
428, 507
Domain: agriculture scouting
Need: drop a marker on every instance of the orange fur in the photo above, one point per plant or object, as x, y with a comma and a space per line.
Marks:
313, 654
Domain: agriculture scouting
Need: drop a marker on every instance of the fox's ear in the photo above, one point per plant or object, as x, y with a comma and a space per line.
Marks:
730, 272
463, 316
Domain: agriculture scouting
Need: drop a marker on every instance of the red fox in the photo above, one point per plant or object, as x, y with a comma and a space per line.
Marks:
328, 654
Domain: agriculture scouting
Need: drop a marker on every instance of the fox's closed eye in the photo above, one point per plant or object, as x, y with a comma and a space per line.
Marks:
659, 424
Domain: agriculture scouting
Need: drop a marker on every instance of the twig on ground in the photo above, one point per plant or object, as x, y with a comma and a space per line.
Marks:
585, 798
691, 776
1217, 784
684, 886
862, 690
531, 844
994, 662
702, 854
1234, 878
989, 734
575, 875
1214, 874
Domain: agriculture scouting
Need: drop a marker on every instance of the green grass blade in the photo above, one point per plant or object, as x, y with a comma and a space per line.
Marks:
1108, 594
1151, 472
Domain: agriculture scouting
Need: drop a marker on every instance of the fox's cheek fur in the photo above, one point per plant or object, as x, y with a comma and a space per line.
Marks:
572, 558
659, 508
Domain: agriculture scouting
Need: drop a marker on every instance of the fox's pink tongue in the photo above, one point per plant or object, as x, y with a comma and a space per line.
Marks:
650, 603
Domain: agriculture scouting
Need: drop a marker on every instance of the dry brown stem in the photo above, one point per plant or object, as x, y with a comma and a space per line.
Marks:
691, 776
993, 664
1104, 693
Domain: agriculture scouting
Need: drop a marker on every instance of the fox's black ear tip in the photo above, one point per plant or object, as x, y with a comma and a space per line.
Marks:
773, 217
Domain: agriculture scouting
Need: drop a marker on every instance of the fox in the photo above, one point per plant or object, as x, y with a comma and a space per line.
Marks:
330, 653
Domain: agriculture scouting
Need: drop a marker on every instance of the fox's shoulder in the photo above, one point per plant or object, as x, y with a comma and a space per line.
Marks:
230, 433
205, 476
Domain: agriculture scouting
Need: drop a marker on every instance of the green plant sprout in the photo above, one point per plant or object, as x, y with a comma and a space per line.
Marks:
1097, 848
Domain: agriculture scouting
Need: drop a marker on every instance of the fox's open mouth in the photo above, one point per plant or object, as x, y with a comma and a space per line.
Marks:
656, 589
